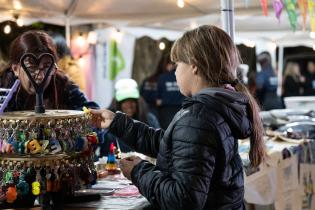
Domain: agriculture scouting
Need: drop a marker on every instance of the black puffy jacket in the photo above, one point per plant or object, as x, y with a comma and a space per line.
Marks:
198, 165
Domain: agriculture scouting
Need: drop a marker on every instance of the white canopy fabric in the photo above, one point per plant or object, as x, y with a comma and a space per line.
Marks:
157, 14
148, 13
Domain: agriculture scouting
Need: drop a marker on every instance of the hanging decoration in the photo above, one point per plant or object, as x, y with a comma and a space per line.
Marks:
303, 10
264, 6
278, 7
290, 7
311, 5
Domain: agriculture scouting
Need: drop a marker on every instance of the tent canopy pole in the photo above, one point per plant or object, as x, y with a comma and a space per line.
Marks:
227, 17
68, 35
72, 6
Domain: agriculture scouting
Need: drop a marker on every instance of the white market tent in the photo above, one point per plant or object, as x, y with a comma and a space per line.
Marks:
163, 18
160, 14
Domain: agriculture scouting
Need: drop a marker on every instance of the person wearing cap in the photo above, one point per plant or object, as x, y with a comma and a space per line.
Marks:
127, 99
266, 84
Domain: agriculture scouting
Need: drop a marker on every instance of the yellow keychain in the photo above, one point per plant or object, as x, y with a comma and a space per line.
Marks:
86, 110
36, 188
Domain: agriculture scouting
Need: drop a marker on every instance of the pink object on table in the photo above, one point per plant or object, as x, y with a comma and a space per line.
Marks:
130, 190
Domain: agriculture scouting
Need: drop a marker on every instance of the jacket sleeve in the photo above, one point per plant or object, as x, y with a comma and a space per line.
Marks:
76, 99
186, 184
137, 135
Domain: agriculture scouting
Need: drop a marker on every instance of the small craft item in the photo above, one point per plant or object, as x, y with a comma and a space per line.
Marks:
130, 190
111, 165
11, 194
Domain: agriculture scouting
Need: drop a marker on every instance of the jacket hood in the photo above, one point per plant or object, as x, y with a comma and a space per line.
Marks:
231, 105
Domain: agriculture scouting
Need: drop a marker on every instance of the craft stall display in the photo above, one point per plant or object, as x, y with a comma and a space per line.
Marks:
46, 154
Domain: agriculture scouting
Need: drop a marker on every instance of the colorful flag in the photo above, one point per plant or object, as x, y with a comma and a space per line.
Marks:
264, 6
290, 7
303, 9
278, 7
116, 60
311, 5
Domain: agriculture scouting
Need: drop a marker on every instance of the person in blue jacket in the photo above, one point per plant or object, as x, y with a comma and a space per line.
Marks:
149, 87
169, 98
267, 83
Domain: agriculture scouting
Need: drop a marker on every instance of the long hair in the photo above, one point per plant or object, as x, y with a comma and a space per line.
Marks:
216, 57
36, 42
290, 71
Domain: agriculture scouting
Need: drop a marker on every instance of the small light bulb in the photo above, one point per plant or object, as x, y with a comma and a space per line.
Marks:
17, 5
7, 29
180, 3
92, 37
117, 35
81, 61
20, 22
80, 40
162, 45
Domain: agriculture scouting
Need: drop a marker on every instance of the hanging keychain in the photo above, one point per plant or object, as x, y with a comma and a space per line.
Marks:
1, 139
33, 145
62, 141
11, 193
56, 181
22, 187
42, 179
36, 184
9, 146
2, 193
21, 143
2, 181
54, 145
45, 142
49, 179
8, 177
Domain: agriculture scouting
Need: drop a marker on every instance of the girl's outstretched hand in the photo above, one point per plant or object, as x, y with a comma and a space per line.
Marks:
101, 118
